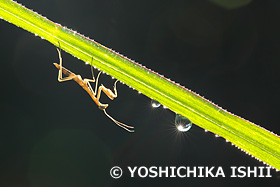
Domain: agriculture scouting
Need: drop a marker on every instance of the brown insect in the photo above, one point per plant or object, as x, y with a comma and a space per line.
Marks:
85, 84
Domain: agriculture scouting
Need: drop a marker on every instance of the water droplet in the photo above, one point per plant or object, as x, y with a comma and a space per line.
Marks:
182, 123
155, 104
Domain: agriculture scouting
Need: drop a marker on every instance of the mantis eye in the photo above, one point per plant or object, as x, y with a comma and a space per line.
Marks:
103, 107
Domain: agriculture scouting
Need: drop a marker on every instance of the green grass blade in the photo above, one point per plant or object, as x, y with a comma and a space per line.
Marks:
253, 139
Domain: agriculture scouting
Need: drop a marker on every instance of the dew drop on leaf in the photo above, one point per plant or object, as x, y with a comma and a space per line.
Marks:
155, 104
182, 123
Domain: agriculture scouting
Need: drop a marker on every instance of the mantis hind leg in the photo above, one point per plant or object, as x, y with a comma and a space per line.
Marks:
60, 78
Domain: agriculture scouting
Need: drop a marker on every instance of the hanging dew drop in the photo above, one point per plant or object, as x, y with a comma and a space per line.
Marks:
155, 104
182, 123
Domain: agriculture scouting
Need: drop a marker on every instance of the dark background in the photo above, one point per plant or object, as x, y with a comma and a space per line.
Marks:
52, 134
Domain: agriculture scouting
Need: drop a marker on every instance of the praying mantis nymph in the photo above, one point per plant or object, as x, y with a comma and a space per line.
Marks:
85, 84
